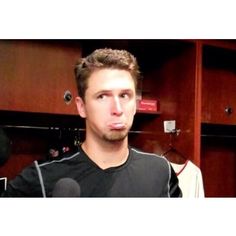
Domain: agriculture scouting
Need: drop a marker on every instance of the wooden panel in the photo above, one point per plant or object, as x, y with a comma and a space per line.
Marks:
218, 164
219, 89
174, 86
219, 86
168, 75
36, 74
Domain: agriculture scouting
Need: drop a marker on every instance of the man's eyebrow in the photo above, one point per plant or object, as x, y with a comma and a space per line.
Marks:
103, 91
110, 91
127, 90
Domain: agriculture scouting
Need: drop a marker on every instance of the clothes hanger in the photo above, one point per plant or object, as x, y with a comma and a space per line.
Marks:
172, 154
173, 150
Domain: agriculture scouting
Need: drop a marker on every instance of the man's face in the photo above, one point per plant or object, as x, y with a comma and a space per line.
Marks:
110, 104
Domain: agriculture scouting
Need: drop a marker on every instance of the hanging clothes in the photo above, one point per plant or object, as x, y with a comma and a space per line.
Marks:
190, 179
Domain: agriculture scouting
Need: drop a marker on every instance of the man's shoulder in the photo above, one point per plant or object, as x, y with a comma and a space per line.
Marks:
155, 165
64, 158
142, 155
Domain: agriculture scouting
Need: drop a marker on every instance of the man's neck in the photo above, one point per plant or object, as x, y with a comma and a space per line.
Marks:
107, 154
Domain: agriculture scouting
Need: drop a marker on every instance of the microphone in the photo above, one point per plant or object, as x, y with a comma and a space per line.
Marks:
66, 187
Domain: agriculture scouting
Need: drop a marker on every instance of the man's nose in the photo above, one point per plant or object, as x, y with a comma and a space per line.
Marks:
116, 107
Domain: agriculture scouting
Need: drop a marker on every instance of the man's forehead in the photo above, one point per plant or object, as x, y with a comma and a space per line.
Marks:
111, 80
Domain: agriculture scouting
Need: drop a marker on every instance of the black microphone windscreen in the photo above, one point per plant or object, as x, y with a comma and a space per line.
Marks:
66, 187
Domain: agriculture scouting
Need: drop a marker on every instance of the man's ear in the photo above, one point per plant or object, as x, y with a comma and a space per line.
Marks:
80, 107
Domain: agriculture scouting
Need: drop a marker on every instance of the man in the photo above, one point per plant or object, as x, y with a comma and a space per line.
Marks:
104, 165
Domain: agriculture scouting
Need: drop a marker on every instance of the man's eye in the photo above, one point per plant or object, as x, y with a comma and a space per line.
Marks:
101, 96
125, 95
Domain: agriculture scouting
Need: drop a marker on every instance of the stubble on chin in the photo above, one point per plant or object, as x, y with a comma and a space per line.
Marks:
115, 136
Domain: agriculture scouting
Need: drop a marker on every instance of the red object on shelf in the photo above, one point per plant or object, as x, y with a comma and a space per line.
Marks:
148, 105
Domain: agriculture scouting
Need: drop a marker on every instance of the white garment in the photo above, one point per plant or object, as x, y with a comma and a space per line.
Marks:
190, 179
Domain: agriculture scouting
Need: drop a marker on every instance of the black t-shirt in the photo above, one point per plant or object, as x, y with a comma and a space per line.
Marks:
142, 175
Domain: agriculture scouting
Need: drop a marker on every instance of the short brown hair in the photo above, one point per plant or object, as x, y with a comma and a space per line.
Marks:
101, 59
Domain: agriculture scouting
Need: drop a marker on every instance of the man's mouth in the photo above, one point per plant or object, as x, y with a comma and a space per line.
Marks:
117, 126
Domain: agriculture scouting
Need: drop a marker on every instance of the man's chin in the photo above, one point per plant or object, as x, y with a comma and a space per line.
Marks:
116, 136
